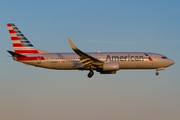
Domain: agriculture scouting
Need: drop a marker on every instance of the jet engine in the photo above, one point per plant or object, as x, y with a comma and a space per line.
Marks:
111, 66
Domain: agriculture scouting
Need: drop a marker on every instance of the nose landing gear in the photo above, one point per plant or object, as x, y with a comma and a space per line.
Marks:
157, 73
91, 73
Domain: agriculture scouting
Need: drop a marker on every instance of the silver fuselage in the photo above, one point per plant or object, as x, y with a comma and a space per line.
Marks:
127, 60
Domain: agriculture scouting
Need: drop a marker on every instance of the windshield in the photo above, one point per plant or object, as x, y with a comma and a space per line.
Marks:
164, 57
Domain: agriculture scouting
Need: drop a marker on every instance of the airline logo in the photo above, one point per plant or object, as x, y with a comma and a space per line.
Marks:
150, 59
20, 43
128, 58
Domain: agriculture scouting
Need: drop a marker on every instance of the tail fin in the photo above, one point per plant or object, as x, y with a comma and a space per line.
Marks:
20, 43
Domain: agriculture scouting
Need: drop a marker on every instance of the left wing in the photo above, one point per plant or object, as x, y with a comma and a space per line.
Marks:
86, 59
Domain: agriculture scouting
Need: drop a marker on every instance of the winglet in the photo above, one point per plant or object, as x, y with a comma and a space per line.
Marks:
84, 58
72, 44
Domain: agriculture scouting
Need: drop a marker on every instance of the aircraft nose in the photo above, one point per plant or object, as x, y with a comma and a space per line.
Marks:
171, 62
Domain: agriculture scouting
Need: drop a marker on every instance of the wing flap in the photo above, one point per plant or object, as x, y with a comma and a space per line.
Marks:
84, 60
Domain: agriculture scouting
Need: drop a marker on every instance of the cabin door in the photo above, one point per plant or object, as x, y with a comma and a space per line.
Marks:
39, 60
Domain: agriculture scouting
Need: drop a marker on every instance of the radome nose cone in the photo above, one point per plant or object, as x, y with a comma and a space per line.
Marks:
171, 62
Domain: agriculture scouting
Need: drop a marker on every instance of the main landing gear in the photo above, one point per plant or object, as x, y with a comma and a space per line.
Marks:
91, 73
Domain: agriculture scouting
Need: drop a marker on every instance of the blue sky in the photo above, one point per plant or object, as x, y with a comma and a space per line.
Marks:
30, 93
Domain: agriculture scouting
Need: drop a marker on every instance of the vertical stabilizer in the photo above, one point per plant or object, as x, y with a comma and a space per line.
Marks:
20, 43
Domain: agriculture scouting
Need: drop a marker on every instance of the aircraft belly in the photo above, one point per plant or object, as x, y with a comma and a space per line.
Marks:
43, 64
70, 65
136, 65
64, 64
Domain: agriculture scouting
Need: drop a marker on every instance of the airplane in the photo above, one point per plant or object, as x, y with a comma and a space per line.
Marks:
104, 63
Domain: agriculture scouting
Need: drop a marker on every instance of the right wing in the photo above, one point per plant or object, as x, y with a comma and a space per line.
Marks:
86, 59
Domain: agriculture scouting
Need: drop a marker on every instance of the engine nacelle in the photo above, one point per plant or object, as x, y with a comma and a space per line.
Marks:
111, 66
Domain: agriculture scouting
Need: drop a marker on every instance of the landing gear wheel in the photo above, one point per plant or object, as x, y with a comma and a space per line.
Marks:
90, 74
157, 73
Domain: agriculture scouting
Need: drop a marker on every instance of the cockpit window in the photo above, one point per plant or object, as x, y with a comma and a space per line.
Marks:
164, 57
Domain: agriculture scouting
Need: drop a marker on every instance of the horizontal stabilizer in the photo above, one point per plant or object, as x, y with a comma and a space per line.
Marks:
15, 54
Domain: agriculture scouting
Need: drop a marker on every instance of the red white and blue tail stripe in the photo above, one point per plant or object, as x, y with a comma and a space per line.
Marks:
20, 43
